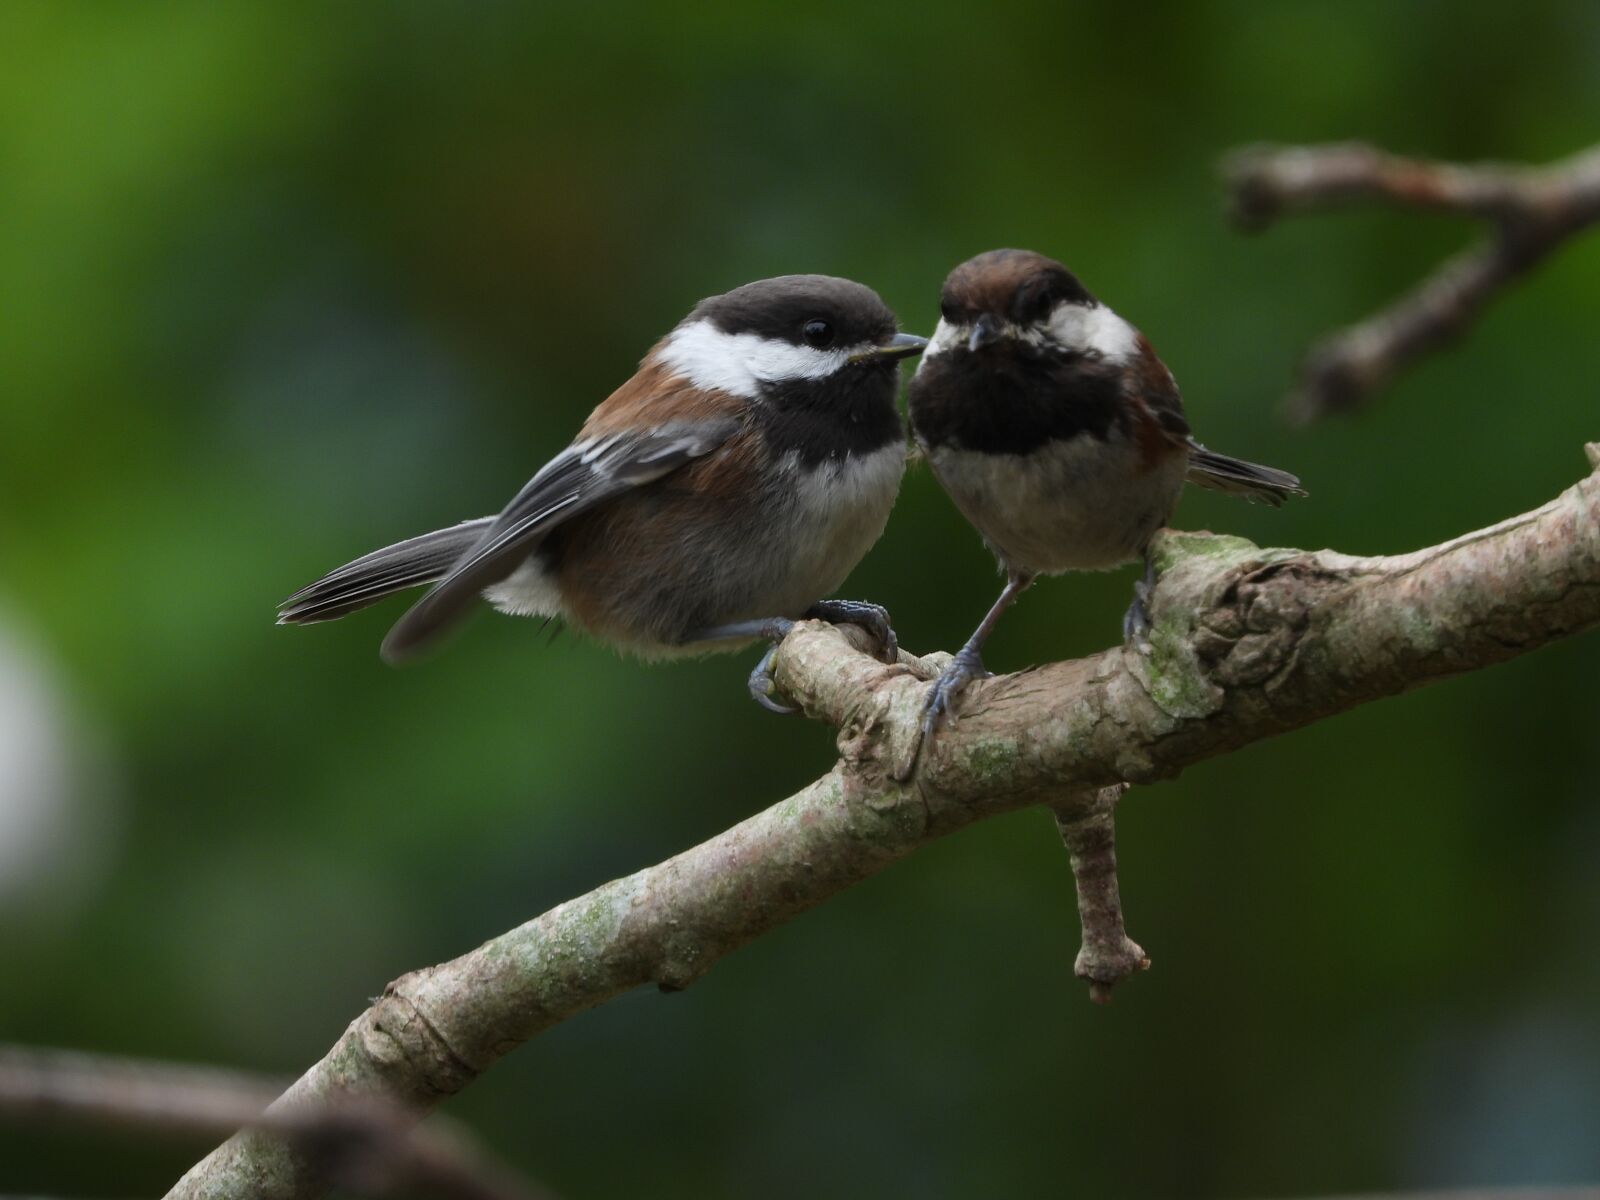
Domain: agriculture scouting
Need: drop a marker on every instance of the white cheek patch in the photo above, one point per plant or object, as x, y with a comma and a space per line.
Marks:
945, 337
1094, 327
1072, 326
741, 362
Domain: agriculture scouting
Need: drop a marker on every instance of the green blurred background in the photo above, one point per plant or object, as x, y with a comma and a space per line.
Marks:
285, 282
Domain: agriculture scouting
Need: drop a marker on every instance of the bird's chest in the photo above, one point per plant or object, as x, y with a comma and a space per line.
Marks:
1075, 504
1038, 451
1009, 400
822, 520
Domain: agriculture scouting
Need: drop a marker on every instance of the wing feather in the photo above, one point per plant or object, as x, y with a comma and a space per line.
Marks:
1222, 473
582, 476
373, 576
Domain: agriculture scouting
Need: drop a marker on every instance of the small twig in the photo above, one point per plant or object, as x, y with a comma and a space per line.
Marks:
1088, 828
362, 1143
1531, 212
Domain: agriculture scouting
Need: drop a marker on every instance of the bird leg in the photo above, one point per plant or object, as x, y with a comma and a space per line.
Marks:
769, 629
871, 617
967, 664
1136, 621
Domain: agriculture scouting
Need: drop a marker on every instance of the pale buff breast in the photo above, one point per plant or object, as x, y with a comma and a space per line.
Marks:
837, 513
1074, 505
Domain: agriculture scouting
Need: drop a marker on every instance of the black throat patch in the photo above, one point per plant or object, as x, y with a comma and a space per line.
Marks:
850, 412
1011, 398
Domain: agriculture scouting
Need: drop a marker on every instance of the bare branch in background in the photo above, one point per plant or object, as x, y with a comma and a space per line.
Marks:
366, 1144
1247, 643
1531, 212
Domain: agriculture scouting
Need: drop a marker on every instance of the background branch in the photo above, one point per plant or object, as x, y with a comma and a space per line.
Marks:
1531, 211
1247, 642
365, 1143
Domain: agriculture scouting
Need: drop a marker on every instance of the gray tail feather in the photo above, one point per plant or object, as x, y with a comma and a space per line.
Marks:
1223, 474
371, 577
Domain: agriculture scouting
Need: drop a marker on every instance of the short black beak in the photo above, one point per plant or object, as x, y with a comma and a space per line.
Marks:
985, 330
901, 345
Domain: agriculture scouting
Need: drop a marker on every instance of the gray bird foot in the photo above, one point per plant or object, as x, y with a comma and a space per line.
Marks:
937, 709
874, 618
871, 617
1136, 621
762, 685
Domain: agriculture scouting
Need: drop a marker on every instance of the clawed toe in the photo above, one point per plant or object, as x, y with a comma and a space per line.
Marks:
874, 618
938, 707
1136, 621
871, 617
763, 685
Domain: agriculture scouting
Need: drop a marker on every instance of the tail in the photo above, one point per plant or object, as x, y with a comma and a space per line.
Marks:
1224, 474
373, 576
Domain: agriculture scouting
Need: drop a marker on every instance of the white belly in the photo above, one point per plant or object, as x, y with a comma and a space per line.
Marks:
836, 513
1075, 505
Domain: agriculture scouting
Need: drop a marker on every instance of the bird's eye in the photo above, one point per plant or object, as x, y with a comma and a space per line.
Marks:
1036, 303
818, 333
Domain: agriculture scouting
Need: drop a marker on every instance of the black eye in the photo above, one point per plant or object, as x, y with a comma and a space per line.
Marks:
818, 333
1035, 302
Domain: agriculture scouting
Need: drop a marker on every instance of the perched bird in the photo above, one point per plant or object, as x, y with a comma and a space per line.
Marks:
1058, 433
711, 500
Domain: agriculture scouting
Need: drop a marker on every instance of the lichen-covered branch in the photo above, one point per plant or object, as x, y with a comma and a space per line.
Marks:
1247, 643
1530, 210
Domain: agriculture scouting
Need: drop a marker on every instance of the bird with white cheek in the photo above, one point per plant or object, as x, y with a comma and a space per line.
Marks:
713, 499
1058, 433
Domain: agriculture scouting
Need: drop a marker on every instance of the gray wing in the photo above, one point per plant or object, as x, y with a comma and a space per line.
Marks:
577, 479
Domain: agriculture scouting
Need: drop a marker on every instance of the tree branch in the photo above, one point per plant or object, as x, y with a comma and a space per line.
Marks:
1088, 829
1531, 211
366, 1144
1247, 643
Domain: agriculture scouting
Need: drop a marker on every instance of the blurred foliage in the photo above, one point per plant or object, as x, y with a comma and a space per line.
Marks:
284, 282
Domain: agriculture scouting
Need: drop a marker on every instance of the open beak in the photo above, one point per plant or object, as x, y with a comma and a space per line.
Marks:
985, 330
901, 345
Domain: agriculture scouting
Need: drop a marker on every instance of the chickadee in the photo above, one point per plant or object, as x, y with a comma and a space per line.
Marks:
712, 499
1058, 433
